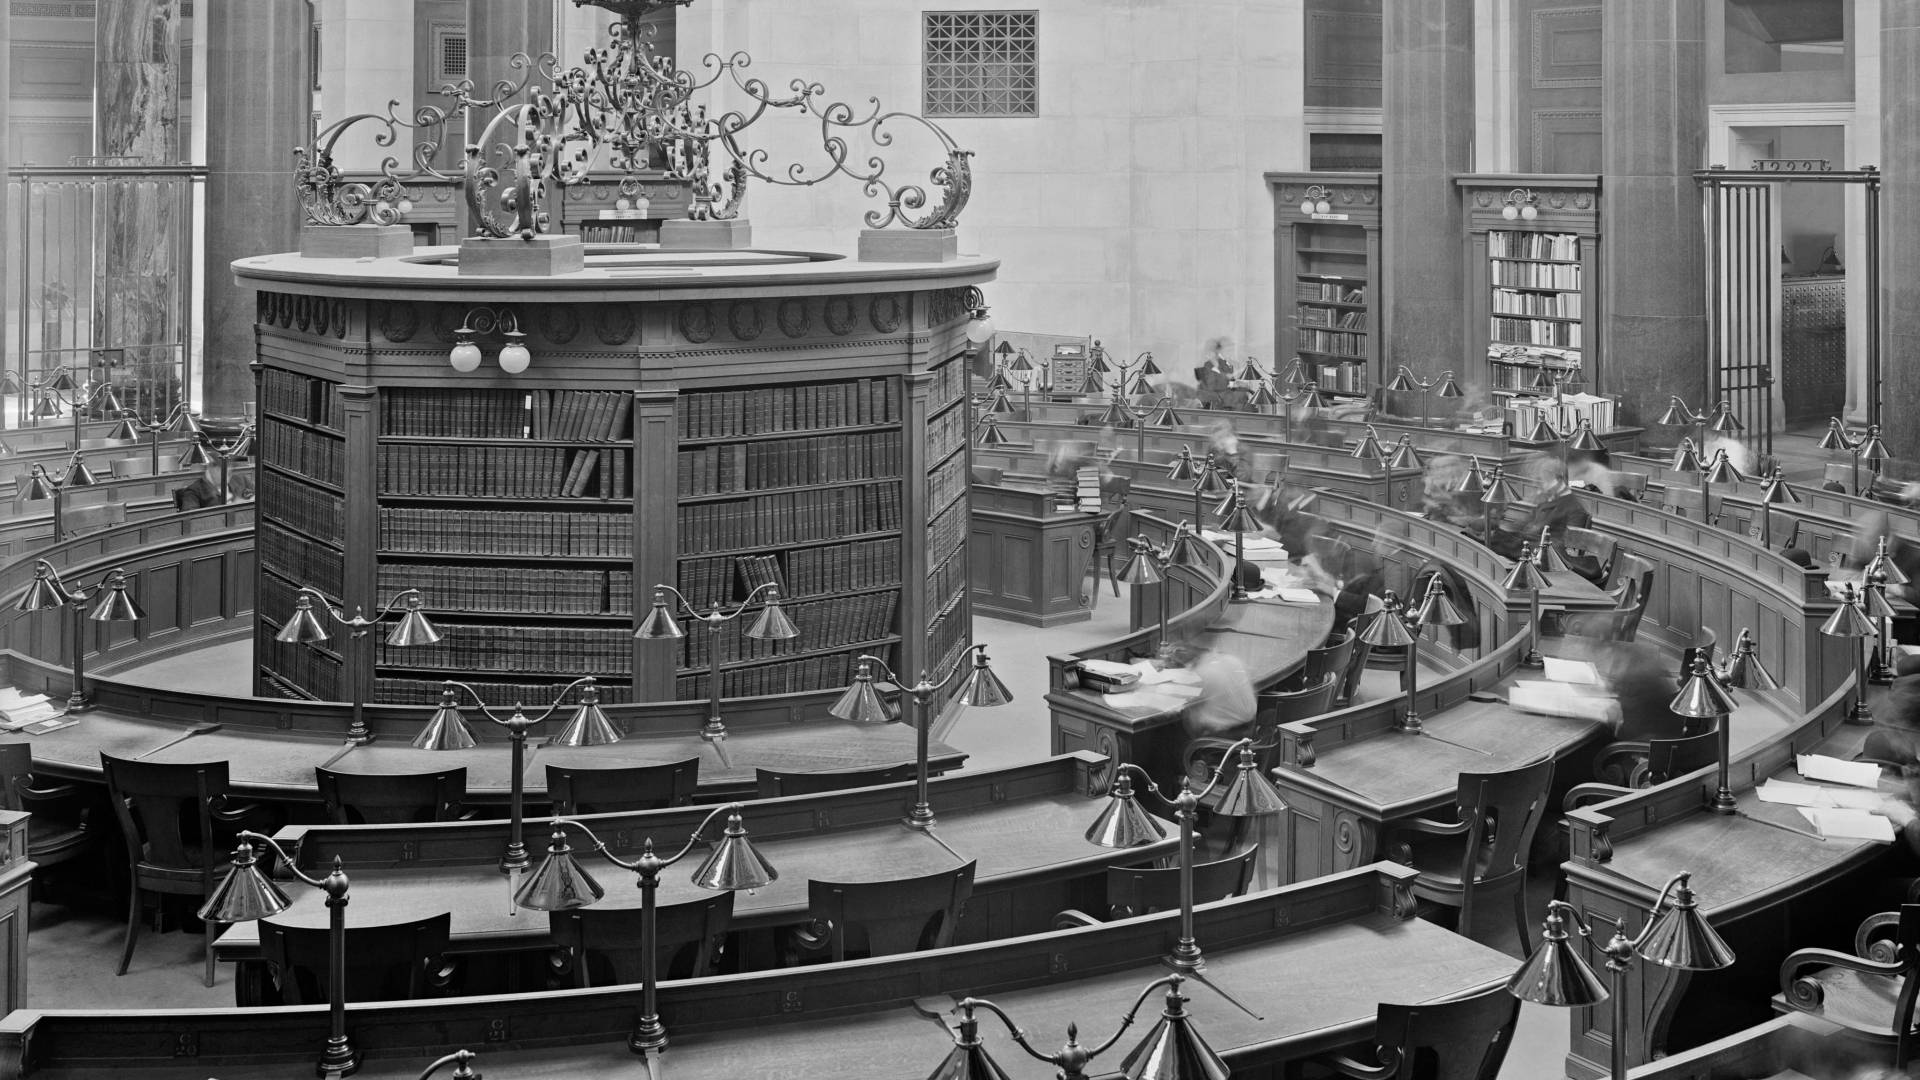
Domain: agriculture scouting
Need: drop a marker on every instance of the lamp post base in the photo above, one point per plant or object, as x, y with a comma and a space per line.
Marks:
1411, 724
1186, 957
341, 1059
1533, 659
1723, 802
77, 702
649, 1038
515, 861
921, 817
1879, 671
1860, 713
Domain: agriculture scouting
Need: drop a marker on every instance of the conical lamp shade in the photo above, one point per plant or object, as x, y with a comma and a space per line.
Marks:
1525, 576
1405, 456
43, 592
772, 624
1543, 431
1140, 568
1312, 398
304, 627
1187, 549
1674, 416
1173, 1050
1239, 519
6, 448
559, 883
1833, 439
110, 403
1473, 482
998, 381
1778, 490
734, 863
37, 486
1542, 380
1847, 621
1680, 937
1116, 415
1212, 480
1701, 696
1148, 367
1250, 794
1165, 416
115, 605
1744, 671
1250, 371
1386, 630
1399, 384
1877, 606
1685, 458
1873, 449
1724, 420
982, 689
999, 404
659, 624
990, 433
245, 894
1448, 387
588, 726
196, 456
413, 628
1020, 362
1141, 387
1181, 467
968, 1060
1722, 471
447, 728
10, 383
861, 702
185, 421
1547, 554
1499, 491
1264, 396
1555, 974
1123, 823
1584, 438
47, 406
62, 380
1438, 609
1099, 360
123, 431
77, 475
1367, 448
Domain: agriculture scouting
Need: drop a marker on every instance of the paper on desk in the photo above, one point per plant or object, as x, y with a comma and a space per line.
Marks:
31, 711
1833, 770
1146, 699
1577, 672
1788, 793
1154, 676
1562, 699
1841, 824
1300, 596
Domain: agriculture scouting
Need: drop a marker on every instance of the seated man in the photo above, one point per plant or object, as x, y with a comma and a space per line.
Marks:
205, 489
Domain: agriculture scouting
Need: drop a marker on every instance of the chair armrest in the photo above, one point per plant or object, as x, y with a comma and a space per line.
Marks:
1073, 919
1580, 795
814, 935
1619, 761
1431, 827
1805, 994
1359, 1070
49, 793
232, 813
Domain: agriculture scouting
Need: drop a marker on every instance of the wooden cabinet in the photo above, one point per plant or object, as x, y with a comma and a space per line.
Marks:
1032, 559
1327, 303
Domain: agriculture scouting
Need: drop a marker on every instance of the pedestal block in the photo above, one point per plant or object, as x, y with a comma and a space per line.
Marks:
542, 256
355, 241
684, 235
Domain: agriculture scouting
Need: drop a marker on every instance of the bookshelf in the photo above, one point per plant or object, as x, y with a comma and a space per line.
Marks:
537, 511
1328, 268
1535, 291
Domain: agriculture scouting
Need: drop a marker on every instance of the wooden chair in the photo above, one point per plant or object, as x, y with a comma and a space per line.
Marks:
1687, 502
1589, 552
86, 519
581, 789
1143, 890
397, 961
1870, 992
391, 798
126, 467
1276, 707
1464, 1039
1108, 534
61, 828
1630, 485
1331, 658
772, 784
881, 918
179, 830
1631, 583
601, 946
1483, 853
1628, 764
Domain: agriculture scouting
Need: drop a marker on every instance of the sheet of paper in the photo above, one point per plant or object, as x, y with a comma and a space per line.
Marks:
1300, 596
1840, 824
1561, 699
22, 716
1834, 771
1788, 793
1577, 672
1146, 699
51, 724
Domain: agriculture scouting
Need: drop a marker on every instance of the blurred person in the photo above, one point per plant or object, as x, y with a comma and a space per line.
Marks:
1440, 500
1227, 701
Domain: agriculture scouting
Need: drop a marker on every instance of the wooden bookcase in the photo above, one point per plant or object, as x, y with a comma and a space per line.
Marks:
1327, 302
1534, 283
817, 440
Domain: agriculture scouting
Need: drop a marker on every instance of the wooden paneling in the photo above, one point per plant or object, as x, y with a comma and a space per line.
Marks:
1343, 53
1566, 140
1557, 86
1566, 47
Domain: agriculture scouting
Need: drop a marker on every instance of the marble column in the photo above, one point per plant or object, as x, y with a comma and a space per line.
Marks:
258, 96
136, 120
1653, 329
1900, 231
496, 30
1427, 107
7, 332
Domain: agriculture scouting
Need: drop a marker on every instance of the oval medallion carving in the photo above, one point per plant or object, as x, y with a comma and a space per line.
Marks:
614, 325
398, 321
884, 311
447, 321
794, 319
559, 323
746, 321
840, 316
340, 318
696, 323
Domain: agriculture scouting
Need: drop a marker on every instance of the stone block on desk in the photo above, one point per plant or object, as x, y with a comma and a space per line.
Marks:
545, 255
909, 245
355, 241
683, 234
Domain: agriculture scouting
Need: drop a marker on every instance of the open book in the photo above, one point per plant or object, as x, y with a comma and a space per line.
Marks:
1840, 823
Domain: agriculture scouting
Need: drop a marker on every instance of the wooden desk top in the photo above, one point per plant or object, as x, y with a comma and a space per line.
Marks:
859, 1020
280, 765
1567, 589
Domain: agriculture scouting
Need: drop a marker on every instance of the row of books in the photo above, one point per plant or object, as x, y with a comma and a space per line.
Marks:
306, 452
863, 564
946, 433
828, 672
947, 531
1564, 413
582, 650
1536, 275
499, 694
1335, 342
947, 577
823, 624
1509, 244
298, 397
1536, 355
780, 463
709, 579
519, 472
506, 532
949, 384
513, 589
949, 632
297, 557
1340, 378
789, 517
724, 414
567, 415
1330, 292
1565, 335
302, 665
1331, 317
299, 506
1564, 305
948, 481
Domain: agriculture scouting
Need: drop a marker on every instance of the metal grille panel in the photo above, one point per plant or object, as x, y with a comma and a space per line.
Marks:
982, 63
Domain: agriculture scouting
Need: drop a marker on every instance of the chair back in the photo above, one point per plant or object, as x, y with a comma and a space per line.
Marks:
1633, 574
385, 962
166, 812
888, 917
1630, 485
1502, 811
391, 798
1138, 890
580, 789
125, 467
1580, 540
601, 946
60, 829
1111, 529
1687, 502
1286, 706
772, 783
86, 519
1335, 555
1668, 758
1465, 1039
1328, 659
16, 775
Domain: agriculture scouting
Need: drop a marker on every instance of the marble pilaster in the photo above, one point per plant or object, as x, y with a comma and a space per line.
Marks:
1900, 227
496, 30
1427, 108
257, 104
1653, 329
136, 105
7, 359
